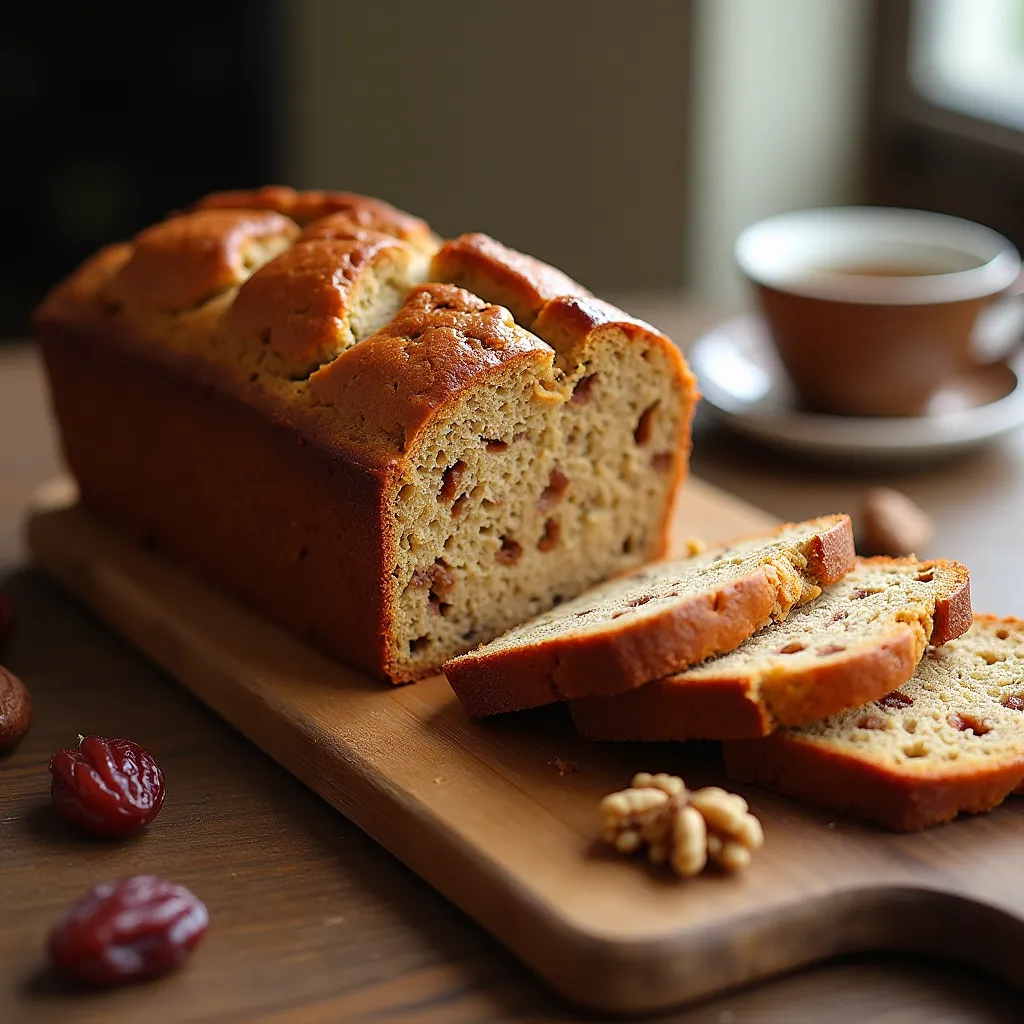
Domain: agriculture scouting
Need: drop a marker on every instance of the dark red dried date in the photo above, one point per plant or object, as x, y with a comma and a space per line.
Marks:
129, 930
6, 618
108, 787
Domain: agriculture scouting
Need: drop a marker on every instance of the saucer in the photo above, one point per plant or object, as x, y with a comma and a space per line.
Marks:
742, 379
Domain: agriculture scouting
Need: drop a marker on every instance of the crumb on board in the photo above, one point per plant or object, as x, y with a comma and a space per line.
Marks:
564, 767
693, 546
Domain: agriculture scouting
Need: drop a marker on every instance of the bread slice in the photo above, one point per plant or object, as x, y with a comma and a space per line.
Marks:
860, 639
650, 623
949, 740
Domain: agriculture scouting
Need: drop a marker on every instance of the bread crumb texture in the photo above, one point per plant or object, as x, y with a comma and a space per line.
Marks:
862, 637
878, 597
528, 437
964, 706
660, 587
950, 740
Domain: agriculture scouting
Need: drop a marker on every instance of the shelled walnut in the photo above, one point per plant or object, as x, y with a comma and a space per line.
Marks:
684, 828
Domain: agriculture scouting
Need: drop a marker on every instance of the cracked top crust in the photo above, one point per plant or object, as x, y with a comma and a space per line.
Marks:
442, 340
319, 298
512, 279
328, 212
317, 309
182, 262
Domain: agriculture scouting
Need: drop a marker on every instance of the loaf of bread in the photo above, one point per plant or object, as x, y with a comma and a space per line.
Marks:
949, 740
394, 447
661, 619
860, 639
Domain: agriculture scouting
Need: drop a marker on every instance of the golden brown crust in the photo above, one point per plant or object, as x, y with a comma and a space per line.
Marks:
904, 803
337, 212
236, 494
80, 294
906, 797
345, 225
572, 323
501, 275
300, 304
845, 683
182, 262
831, 555
727, 708
455, 337
620, 659
681, 708
953, 613
612, 661
443, 341
659, 711
953, 616
616, 660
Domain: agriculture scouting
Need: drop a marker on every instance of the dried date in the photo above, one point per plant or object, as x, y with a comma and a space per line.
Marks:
128, 930
108, 787
15, 711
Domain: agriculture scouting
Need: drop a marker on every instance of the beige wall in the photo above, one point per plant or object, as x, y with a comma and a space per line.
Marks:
781, 90
556, 125
628, 141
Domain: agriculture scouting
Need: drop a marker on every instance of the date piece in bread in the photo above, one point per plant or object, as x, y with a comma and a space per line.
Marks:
288, 393
861, 638
659, 620
950, 740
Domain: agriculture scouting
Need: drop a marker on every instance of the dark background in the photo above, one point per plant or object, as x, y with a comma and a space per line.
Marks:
556, 125
113, 114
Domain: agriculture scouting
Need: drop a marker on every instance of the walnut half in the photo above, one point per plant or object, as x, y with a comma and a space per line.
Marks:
683, 828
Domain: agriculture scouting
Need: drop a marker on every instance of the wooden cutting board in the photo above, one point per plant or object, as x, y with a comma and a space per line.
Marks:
483, 811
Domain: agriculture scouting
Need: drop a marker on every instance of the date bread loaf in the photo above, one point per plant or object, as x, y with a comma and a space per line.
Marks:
658, 620
860, 639
950, 740
392, 446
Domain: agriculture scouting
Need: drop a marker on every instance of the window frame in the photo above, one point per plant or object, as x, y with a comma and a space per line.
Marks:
929, 157
897, 99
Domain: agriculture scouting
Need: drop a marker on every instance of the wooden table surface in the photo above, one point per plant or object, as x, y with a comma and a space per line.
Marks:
311, 920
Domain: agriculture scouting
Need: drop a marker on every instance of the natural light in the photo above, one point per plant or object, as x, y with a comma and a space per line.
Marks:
968, 56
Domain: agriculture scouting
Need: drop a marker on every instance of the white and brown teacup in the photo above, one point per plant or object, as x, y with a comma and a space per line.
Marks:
873, 310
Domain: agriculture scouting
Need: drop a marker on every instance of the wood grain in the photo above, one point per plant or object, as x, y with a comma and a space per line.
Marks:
312, 920
238, 828
480, 811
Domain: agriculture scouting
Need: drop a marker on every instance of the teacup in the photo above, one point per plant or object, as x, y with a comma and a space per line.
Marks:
873, 310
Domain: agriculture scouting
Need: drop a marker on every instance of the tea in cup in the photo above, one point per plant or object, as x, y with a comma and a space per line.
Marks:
873, 310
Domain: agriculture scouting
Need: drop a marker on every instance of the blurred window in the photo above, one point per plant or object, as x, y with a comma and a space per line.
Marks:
968, 56
946, 128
